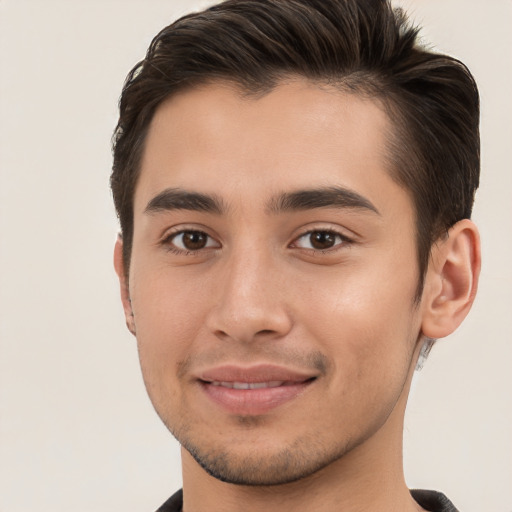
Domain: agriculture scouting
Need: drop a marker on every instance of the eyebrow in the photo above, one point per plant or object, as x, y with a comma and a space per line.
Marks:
178, 199
329, 197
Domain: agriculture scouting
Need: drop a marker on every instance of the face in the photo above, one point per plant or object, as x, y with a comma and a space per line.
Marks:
272, 278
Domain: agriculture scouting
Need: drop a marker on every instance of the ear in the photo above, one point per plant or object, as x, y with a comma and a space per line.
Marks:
123, 282
451, 281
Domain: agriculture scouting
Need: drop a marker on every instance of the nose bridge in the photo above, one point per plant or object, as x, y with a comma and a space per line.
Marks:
247, 271
251, 302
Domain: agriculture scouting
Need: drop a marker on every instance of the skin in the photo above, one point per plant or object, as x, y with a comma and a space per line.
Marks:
263, 290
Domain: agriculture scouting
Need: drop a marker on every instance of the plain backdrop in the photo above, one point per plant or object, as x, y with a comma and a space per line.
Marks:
77, 431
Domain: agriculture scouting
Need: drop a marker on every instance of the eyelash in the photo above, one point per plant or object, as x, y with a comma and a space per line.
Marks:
344, 241
168, 243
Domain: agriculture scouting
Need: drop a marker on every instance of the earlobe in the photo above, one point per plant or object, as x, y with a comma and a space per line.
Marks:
452, 280
123, 283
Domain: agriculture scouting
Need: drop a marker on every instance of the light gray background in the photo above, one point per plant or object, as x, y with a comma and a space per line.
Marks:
77, 431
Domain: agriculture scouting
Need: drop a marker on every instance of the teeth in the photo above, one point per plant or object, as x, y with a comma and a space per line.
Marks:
249, 385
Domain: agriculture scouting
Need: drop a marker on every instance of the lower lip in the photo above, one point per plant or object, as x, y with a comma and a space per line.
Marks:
253, 401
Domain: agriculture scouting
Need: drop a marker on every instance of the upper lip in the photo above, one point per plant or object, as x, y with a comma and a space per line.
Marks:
253, 374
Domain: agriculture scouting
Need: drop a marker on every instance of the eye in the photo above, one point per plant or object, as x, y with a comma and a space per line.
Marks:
190, 241
320, 240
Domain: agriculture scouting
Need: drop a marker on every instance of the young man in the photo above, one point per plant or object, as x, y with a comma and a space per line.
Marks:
294, 181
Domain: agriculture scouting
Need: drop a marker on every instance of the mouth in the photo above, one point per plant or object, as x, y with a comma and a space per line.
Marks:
253, 391
253, 385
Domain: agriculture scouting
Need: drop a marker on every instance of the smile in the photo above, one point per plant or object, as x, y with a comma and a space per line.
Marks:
251, 385
252, 390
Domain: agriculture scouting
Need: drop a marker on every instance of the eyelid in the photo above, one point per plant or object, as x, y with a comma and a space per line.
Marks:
174, 236
345, 240
170, 234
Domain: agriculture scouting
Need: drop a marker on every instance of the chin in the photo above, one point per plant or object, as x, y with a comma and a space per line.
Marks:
265, 466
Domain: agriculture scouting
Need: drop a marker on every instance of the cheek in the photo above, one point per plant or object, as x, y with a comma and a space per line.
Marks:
167, 320
367, 332
168, 315
365, 319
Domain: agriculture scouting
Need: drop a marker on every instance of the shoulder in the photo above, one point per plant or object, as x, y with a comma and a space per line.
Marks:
173, 504
429, 500
433, 501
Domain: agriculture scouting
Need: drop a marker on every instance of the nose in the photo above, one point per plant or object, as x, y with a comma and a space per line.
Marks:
251, 303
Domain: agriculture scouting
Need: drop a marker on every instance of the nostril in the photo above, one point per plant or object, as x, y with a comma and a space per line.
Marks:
265, 331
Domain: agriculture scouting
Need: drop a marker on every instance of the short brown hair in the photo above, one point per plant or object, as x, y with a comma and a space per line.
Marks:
363, 46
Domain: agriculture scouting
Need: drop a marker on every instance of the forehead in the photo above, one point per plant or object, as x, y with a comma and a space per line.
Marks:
216, 139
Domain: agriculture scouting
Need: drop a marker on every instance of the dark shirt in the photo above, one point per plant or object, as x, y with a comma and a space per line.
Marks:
429, 500
433, 501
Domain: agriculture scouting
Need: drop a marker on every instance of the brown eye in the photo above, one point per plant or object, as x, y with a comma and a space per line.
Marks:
320, 240
192, 241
